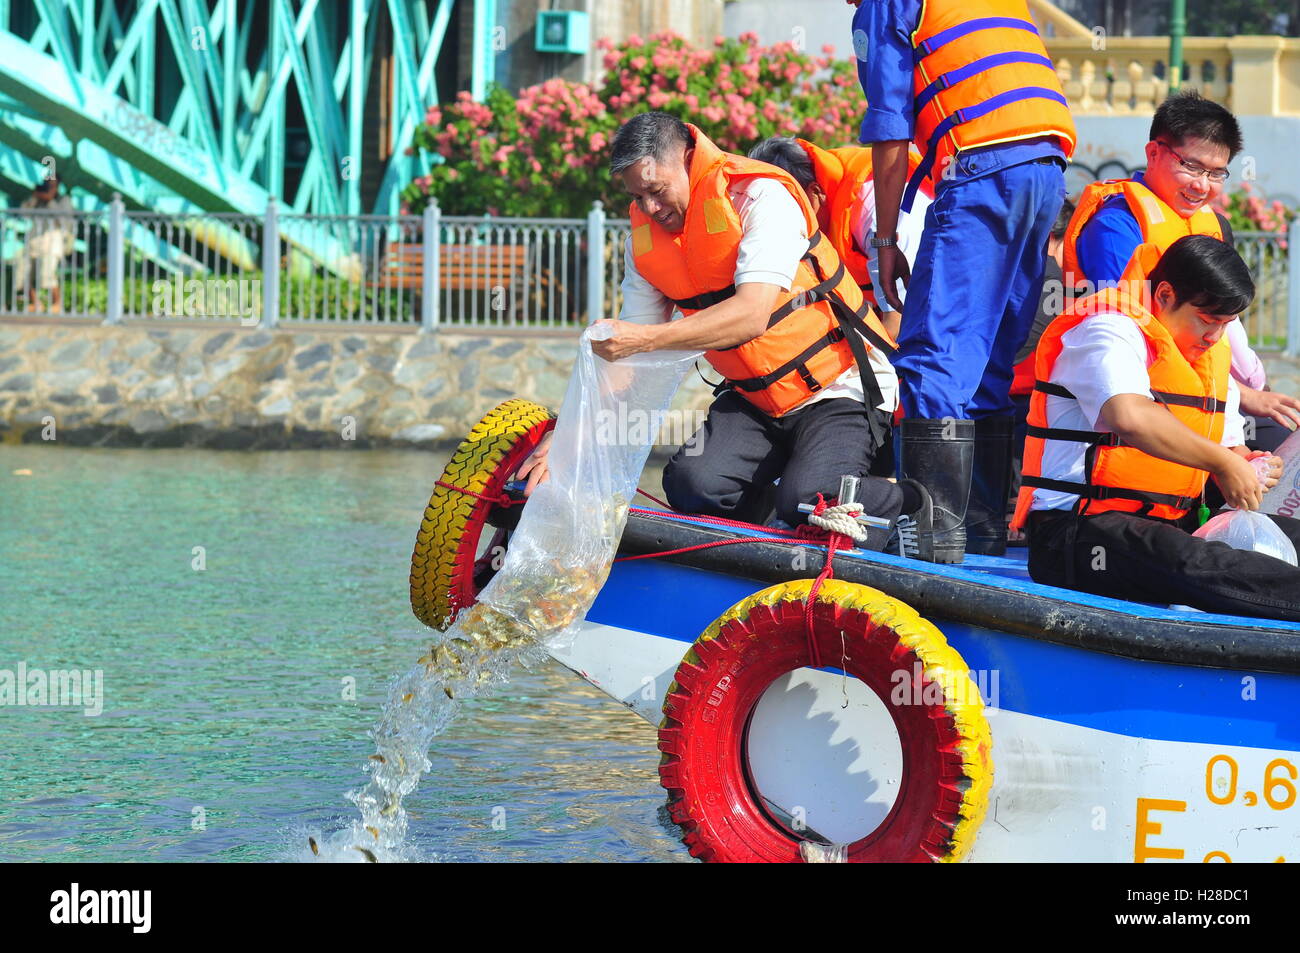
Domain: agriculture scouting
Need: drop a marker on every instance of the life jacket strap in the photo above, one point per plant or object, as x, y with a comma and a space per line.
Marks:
706, 299
798, 362
955, 76
966, 115
1091, 437
1093, 491
1211, 405
1056, 390
944, 37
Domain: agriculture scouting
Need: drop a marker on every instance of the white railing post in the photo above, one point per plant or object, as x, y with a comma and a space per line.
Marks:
271, 265
595, 262
1293, 291
116, 259
432, 253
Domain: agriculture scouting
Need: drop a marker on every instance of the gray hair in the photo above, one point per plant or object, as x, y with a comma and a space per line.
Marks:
784, 153
647, 134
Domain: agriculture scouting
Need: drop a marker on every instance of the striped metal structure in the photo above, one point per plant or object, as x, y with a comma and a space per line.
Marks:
215, 106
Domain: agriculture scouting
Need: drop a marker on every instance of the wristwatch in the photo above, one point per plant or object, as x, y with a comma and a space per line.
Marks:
875, 242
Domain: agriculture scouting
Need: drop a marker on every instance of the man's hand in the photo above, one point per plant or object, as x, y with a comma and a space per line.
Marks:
892, 265
535, 467
1274, 465
629, 338
1238, 481
891, 320
1266, 403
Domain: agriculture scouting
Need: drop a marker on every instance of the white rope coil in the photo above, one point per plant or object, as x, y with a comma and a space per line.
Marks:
841, 519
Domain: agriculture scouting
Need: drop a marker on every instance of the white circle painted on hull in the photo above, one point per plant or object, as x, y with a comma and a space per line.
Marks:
817, 763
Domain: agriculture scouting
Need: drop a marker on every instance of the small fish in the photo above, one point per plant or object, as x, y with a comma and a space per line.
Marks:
374, 831
379, 757
370, 857
314, 849
446, 689
407, 697
389, 809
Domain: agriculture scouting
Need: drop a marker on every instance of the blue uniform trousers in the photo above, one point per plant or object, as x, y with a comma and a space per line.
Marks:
975, 288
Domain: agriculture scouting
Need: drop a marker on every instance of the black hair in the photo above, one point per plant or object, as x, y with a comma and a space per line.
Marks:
647, 134
1063, 217
1187, 114
1206, 273
784, 153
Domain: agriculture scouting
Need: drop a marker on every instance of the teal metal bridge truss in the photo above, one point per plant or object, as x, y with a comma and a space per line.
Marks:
192, 106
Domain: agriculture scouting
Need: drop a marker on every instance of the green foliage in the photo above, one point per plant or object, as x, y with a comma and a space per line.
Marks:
545, 153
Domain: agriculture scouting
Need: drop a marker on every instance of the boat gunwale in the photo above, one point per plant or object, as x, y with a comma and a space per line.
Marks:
1058, 616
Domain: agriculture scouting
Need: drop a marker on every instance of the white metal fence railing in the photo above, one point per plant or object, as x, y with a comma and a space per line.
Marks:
426, 270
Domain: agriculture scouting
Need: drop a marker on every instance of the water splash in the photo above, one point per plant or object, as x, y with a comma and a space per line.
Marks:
556, 563
475, 655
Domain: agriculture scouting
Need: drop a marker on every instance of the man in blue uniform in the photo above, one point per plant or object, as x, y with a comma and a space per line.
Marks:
970, 83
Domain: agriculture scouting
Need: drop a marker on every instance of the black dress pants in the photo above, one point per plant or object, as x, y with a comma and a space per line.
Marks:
728, 467
1150, 560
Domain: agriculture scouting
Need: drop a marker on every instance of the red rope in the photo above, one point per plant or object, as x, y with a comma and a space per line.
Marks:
502, 500
833, 542
654, 499
688, 549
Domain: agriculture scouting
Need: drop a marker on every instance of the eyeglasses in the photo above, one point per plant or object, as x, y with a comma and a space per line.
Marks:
1194, 170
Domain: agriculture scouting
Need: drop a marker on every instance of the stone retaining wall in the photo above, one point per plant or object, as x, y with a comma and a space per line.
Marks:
232, 387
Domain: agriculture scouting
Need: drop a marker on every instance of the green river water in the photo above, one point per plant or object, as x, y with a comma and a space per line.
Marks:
226, 731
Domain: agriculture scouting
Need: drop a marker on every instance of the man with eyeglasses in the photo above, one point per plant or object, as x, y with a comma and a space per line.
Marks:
1192, 140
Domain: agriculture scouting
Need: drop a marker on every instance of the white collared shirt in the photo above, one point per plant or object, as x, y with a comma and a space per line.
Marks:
1101, 357
773, 240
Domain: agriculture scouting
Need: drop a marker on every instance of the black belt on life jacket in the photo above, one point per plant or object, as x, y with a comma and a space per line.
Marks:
1095, 440
848, 320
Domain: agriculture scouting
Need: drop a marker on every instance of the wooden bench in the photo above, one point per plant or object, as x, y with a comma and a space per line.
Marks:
467, 267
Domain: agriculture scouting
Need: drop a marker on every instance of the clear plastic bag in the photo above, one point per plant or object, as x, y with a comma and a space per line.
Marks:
561, 553
1244, 529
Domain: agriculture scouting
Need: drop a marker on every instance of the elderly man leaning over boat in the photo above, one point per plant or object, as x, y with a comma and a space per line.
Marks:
809, 393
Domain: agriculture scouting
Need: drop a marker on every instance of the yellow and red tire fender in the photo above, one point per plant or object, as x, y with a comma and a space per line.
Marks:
446, 546
946, 742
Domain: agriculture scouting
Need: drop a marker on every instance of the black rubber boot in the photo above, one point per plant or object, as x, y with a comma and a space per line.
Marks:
939, 455
986, 515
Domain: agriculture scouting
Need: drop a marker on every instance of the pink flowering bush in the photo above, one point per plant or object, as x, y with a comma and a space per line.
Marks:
546, 152
1248, 210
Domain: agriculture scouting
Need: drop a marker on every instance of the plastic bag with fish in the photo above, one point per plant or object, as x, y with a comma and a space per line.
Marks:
561, 552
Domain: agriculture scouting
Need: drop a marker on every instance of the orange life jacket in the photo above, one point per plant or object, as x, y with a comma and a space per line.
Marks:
841, 173
1161, 226
808, 342
980, 76
1120, 476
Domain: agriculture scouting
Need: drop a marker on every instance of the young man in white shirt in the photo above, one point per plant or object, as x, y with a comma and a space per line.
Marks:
1112, 513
